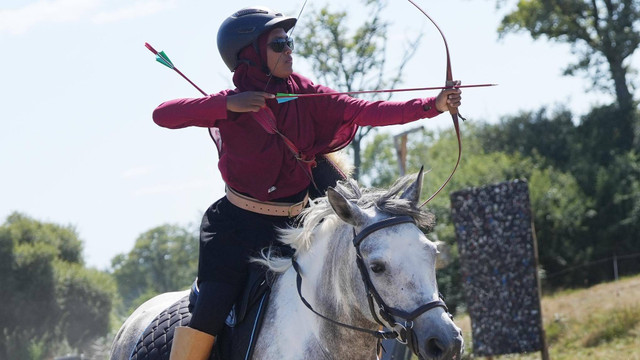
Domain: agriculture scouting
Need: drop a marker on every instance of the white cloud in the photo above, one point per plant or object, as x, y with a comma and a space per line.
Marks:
18, 21
133, 11
135, 172
174, 188
21, 20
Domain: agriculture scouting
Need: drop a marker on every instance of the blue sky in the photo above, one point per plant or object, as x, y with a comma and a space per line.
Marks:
77, 88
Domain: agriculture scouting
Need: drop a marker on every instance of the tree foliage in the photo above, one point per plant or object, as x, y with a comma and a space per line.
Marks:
602, 33
547, 136
560, 211
48, 296
163, 259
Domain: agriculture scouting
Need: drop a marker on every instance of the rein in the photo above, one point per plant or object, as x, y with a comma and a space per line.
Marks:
402, 331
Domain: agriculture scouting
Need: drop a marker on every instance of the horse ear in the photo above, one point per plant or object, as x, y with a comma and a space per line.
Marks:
347, 211
412, 192
444, 257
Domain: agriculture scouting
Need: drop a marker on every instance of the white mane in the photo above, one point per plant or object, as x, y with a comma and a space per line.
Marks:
319, 217
300, 238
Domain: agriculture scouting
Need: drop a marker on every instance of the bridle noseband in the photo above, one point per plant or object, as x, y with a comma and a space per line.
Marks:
401, 330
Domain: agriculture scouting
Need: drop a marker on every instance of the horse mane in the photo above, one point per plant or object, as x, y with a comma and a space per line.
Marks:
320, 217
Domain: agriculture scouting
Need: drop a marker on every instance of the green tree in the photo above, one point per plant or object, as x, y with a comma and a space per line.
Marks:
598, 141
561, 212
163, 259
616, 223
351, 62
48, 296
85, 300
548, 136
602, 33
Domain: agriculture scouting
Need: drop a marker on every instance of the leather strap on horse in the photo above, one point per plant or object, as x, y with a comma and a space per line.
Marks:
378, 334
388, 313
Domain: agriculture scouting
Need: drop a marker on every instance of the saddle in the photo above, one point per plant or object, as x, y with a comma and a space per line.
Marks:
239, 336
237, 339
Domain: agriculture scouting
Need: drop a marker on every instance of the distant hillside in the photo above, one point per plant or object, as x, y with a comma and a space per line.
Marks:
600, 322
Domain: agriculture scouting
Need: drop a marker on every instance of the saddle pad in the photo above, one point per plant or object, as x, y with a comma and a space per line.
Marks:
155, 342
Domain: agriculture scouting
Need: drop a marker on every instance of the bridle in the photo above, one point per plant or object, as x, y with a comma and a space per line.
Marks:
401, 321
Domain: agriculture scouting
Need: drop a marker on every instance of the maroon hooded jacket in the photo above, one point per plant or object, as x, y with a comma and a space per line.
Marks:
259, 164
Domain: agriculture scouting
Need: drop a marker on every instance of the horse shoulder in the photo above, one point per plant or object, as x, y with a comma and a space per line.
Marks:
288, 326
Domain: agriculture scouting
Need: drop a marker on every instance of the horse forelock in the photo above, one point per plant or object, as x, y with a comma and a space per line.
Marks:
320, 217
388, 201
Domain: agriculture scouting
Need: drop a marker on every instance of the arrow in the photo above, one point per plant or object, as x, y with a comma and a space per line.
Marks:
282, 98
163, 59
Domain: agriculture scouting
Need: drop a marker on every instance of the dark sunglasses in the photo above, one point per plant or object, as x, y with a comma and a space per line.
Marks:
278, 45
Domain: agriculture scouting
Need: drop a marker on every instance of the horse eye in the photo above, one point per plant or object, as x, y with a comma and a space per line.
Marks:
377, 268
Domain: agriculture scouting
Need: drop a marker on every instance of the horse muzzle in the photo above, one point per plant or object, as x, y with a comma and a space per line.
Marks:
437, 342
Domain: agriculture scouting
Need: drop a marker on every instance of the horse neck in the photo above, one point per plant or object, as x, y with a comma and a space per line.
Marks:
329, 285
336, 280
341, 294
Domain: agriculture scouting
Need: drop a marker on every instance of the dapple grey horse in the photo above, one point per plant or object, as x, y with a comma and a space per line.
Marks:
361, 263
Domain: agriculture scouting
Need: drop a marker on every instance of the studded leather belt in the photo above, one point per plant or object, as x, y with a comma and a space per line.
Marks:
265, 207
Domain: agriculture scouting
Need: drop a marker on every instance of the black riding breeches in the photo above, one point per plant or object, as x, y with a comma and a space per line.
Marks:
229, 236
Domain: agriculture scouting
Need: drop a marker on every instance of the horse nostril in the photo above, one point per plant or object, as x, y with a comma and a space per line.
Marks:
458, 347
434, 347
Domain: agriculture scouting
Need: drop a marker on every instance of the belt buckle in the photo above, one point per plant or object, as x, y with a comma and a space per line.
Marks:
290, 209
297, 206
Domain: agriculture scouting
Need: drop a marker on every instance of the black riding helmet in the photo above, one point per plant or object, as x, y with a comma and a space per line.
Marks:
244, 27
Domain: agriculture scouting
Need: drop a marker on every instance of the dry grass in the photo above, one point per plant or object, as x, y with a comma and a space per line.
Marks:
601, 322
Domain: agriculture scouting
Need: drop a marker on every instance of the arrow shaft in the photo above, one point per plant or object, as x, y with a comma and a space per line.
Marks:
155, 52
293, 96
382, 91
190, 82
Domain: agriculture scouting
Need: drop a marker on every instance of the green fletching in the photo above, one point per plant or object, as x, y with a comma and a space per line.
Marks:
283, 98
163, 59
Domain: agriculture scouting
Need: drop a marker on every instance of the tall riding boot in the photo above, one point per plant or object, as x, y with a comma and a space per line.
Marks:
191, 344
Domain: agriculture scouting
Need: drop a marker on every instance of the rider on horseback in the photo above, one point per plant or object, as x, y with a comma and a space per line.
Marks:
267, 157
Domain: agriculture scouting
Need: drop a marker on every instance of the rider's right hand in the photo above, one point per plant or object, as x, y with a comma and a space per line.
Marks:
248, 101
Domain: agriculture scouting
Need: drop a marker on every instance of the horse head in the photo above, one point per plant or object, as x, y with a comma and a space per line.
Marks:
396, 266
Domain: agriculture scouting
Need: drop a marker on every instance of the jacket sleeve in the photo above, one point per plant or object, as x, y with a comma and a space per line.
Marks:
381, 113
202, 112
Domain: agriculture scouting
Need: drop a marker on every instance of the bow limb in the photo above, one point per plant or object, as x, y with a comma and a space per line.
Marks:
450, 83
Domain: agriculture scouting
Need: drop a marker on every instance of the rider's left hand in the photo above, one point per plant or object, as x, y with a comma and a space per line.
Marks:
448, 98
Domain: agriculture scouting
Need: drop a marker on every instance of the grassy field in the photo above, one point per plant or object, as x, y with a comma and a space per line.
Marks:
601, 322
